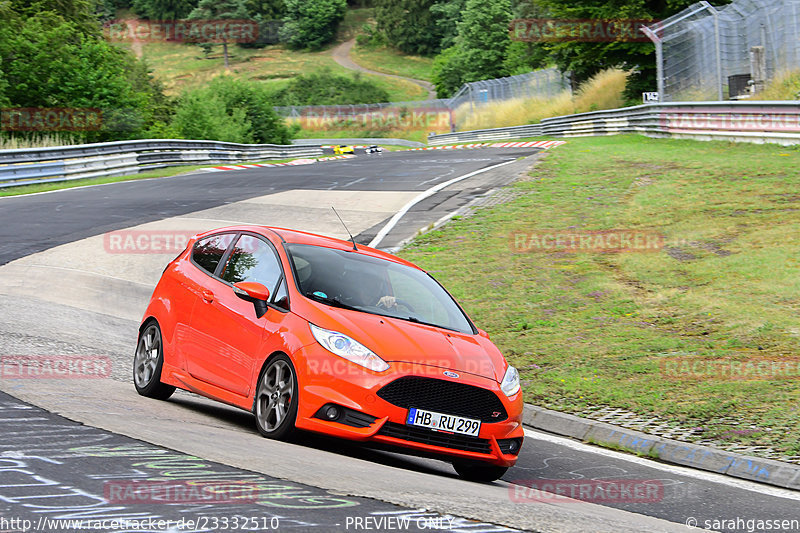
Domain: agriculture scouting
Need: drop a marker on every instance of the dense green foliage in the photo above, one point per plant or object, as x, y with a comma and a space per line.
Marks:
310, 24
473, 41
163, 9
480, 46
409, 25
52, 55
584, 59
324, 87
230, 110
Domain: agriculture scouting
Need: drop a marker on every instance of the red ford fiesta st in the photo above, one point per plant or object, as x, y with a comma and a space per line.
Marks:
315, 333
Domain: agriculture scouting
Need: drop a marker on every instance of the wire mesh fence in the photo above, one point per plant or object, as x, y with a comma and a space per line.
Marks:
438, 113
708, 53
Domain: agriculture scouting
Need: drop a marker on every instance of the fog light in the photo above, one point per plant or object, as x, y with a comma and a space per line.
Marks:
332, 412
512, 446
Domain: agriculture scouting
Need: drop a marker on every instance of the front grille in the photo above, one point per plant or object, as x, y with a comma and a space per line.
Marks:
435, 438
445, 397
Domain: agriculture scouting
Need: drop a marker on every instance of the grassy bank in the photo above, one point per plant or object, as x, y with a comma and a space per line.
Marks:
589, 328
391, 61
180, 65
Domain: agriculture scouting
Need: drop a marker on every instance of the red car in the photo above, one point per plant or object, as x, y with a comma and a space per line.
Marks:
314, 333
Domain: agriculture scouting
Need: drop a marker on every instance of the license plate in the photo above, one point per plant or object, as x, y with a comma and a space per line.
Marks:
443, 423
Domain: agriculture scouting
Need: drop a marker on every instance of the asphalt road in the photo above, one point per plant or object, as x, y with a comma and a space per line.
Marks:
35, 223
57, 475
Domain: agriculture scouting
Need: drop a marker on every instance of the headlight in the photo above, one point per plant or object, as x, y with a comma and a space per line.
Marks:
510, 384
343, 346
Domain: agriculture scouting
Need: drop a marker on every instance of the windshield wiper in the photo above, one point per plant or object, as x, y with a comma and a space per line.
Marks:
331, 301
418, 321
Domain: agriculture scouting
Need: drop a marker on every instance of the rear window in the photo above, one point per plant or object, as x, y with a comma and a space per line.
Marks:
208, 252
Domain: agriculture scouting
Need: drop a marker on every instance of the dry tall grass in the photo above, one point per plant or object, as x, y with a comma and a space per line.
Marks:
784, 86
603, 91
38, 141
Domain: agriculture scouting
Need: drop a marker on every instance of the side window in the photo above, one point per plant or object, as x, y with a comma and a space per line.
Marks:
253, 260
209, 251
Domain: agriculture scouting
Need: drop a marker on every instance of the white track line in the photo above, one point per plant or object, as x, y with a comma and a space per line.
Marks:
433, 190
675, 469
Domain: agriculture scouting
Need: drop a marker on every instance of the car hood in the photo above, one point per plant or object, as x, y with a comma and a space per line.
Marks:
396, 340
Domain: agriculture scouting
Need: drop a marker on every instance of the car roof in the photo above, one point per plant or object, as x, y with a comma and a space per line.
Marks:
293, 236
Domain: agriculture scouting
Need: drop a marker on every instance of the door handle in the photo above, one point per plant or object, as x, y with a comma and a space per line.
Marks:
208, 296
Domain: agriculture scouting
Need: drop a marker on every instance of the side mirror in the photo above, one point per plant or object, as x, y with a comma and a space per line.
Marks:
256, 293
482, 333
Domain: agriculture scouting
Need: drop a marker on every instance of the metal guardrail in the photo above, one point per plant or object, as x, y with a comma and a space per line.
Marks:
759, 122
362, 140
775, 122
494, 134
63, 163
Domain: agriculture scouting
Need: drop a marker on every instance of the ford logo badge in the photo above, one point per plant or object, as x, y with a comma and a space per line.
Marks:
450, 374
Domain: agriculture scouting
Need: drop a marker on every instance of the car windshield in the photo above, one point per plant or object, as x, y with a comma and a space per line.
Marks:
359, 282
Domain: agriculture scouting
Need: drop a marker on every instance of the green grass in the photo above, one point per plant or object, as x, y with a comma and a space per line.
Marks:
180, 66
160, 173
391, 61
594, 328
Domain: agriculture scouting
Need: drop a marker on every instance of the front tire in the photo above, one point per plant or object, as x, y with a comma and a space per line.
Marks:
276, 399
479, 472
147, 364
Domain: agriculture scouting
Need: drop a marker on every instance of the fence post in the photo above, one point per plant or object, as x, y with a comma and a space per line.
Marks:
718, 52
659, 61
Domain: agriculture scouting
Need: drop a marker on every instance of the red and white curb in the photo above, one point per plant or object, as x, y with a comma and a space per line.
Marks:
350, 145
287, 164
529, 144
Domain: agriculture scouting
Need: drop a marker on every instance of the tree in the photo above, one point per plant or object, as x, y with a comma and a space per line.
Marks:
325, 88
585, 59
220, 10
447, 14
480, 46
410, 25
265, 9
50, 61
4, 101
203, 116
229, 109
164, 9
311, 24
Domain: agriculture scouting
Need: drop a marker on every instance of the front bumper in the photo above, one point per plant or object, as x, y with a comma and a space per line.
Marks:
326, 379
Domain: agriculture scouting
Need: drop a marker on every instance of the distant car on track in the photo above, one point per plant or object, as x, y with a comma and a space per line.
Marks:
315, 333
341, 149
374, 149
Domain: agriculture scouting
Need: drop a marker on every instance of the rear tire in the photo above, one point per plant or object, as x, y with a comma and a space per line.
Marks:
147, 364
479, 472
275, 406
